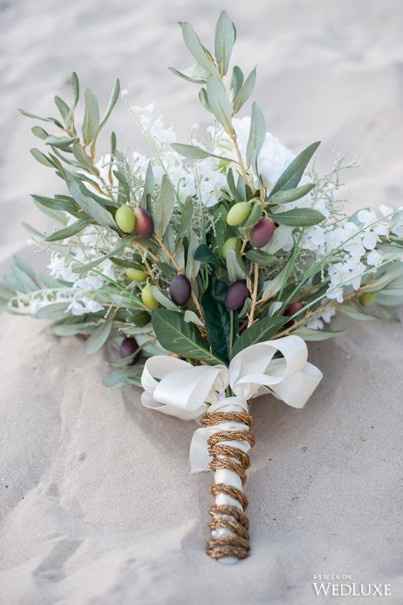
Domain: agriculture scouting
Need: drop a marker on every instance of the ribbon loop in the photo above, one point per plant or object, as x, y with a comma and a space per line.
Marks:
175, 387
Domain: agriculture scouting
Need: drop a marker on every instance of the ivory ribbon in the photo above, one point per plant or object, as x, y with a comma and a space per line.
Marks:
175, 387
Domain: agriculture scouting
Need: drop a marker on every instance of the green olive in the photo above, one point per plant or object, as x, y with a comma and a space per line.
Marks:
238, 214
232, 243
367, 298
136, 274
148, 298
125, 219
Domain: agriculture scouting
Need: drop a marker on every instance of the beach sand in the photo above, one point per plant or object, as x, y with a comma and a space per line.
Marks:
97, 505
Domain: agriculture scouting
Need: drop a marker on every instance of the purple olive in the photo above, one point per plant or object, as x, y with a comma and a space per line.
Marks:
144, 223
128, 347
236, 295
293, 308
180, 289
262, 233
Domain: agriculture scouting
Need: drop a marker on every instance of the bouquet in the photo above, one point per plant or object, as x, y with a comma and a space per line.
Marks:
205, 267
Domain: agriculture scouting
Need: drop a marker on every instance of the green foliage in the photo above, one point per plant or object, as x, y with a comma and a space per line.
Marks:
257, 136
212, 246
299, 217
225, 35
218, 325
99, 337
179, 337
293, 173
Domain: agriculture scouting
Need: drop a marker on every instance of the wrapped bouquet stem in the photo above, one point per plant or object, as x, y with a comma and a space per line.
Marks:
206, 266
219, 395
230, 438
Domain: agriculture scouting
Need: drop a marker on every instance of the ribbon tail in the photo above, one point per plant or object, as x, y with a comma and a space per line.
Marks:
297, 390
198, 452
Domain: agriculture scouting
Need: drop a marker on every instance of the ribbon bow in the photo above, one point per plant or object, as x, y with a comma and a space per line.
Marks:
175, 387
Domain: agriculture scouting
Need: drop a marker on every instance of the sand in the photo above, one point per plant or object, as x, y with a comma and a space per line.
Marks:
96, 502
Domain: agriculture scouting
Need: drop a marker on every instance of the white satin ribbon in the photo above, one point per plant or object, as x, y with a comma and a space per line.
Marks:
177, 388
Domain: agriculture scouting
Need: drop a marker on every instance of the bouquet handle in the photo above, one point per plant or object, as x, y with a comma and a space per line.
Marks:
228, 446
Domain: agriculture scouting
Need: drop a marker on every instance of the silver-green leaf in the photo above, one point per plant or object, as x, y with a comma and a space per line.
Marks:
225, 35
243, 92
257, 135
299, 217
196, 48
99, 337
91, 117
180, 337
292, 175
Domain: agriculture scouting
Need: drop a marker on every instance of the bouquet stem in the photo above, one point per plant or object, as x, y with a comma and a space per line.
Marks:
228, 446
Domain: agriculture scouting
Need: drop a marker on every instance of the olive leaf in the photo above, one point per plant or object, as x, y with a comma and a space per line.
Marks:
261, 330
317, 335
99, 337
83, 159
263, 259
186, 218
62, 203
354, 311
290, 195
164, 300
180, 337
75, 82
89, 204
194, 152
292, 175
255, 214
204, 255
69, 231
53, 312
257, 135
218, 325
219, 103
39, 132
192, 264
33, 116
235, 267
189, 77
149, 185
63, 328
196, 48
91, 117
124, 376
164, 206
112, 102
62, 143
63, 108
41, 158
237, 80
243, 92
225, 35
299, 217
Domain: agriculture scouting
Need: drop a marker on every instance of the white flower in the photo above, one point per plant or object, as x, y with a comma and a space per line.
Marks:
83, 305
59, 269
366, 217
91, 282
374, 258
328, 314
315, 324
370, 239
318, 323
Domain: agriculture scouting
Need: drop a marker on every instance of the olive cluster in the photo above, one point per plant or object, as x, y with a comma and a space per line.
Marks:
137, 221
260, 235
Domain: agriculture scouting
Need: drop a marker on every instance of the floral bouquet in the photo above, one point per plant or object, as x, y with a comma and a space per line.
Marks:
207, 266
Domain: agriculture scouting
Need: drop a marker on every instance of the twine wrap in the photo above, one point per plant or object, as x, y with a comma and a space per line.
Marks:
229, 523
177, 388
